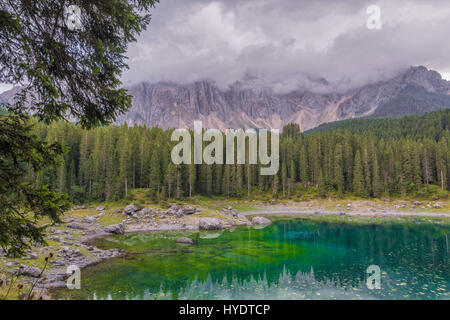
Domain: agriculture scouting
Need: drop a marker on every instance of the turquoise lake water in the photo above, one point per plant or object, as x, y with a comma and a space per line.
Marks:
290, 259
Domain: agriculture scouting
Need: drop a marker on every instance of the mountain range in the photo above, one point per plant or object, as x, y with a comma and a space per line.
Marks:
418, 90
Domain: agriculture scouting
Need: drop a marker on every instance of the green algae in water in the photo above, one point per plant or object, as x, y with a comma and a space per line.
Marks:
286, 260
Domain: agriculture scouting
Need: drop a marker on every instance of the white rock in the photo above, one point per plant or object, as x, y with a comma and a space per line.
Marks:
261, 221
210, 224
132, 208
115, 229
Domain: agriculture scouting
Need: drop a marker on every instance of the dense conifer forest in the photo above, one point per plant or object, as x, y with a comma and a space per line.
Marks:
361, 157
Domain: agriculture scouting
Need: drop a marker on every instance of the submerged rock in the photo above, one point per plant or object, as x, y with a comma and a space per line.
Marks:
210, 235
185, 240
260, 227
210, 224
261, 221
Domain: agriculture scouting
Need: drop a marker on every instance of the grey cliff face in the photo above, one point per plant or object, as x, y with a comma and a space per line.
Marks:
171, 105
245, 105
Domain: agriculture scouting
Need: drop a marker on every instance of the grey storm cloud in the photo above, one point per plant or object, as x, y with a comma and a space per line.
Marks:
289, 44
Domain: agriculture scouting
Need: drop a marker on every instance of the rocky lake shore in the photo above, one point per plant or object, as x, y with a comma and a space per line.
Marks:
68, 243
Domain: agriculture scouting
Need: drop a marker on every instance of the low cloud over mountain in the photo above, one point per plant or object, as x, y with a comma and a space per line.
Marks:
286, 43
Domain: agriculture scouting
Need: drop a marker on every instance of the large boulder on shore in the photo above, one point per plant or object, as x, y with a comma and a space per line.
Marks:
77, 226
115, 229
90, 219
210, 224
179, 212
261, 221
174, 210
30, 271
187, 210
145, 211
131, 208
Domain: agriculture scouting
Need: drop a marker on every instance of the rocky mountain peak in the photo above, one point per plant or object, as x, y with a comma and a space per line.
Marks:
429, 79
253, 103
249, 103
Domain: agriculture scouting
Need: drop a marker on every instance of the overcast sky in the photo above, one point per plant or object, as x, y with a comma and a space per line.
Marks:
286, 42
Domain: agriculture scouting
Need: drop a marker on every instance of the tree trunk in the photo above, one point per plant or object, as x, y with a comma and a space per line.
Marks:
248, 181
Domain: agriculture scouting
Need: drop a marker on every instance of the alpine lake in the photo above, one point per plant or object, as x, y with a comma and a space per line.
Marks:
289, 259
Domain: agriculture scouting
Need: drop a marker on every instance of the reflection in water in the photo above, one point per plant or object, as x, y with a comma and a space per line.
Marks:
286, 260
210, 235
260, 227
446, 241
299, 286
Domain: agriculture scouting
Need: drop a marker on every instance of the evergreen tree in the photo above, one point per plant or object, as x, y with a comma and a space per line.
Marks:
284, 177
358, 177
275, 183
106, 163
155, 173
376, 183
303, 164
339, 171
292, 177
171, 178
